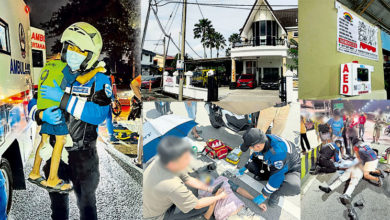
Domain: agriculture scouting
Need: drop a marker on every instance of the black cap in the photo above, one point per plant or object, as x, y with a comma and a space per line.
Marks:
252, 137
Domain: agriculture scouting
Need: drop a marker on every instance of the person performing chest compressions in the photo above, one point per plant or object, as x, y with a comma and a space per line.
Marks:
328, 155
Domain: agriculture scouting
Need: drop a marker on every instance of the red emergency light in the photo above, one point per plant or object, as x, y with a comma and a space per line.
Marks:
27, 9
355, 61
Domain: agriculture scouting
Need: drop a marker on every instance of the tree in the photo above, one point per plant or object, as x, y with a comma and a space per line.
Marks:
220, 42
210, 41
293, 53
117, 21
202, 30
234, 38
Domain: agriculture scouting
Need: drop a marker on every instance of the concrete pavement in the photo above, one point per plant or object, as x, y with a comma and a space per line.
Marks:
250, 95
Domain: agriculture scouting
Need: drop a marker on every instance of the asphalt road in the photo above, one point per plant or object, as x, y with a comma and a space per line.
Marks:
289, 207
119, 194
319, 205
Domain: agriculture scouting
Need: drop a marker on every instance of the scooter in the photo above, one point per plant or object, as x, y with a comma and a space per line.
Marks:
220, 117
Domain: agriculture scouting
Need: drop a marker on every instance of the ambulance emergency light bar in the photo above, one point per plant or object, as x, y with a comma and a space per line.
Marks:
355, 79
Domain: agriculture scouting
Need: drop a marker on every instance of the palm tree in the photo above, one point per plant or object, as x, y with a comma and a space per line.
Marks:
220, 42
210, 41
201, 30
234, 38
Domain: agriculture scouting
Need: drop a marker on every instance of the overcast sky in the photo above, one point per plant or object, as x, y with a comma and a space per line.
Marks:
226, 21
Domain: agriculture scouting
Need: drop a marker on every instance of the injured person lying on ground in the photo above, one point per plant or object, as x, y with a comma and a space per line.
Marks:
231, 206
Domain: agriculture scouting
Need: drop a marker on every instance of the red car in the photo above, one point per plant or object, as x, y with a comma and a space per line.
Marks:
154, 80
246, 81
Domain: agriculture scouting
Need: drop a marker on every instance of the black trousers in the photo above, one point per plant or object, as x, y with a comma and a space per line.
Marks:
306, 141
326, 166
291, 186
258, 168
83, 172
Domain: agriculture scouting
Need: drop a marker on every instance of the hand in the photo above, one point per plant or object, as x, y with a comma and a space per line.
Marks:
259, 199
52, 115
53, 93
263, 207
240, 172
221, 194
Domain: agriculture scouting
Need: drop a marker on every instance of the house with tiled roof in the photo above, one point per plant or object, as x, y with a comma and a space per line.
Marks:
263, 49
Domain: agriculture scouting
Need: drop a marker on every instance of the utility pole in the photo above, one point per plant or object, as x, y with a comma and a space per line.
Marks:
163, 67
183, 43
146, 24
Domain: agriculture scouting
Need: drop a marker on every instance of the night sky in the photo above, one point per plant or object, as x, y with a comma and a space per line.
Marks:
41, 11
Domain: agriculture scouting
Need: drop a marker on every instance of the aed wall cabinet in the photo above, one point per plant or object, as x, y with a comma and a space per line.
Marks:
355, 79
319, 57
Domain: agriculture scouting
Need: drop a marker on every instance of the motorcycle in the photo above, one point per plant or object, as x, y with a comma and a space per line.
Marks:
163, 108
387, 130
220, 117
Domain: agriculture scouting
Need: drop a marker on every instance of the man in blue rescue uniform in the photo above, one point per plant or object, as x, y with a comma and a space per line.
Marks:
283, 161
85, 107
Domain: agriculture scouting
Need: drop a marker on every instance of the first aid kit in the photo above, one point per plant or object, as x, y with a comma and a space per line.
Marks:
216, 149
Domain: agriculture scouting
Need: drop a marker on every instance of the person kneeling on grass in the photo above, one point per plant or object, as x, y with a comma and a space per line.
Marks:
165, 181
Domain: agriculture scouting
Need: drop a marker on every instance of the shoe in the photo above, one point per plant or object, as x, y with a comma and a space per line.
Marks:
315, 171
380, 182
273, 202
352, 214
325, 189
345, 199
199, 138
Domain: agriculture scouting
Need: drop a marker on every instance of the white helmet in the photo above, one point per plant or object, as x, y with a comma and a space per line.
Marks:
87, 38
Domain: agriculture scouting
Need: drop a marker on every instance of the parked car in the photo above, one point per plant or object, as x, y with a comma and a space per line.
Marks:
154, 80
246, 81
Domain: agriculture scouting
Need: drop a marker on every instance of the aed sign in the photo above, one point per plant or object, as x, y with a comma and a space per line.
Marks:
38, 41
180, 65
355, 79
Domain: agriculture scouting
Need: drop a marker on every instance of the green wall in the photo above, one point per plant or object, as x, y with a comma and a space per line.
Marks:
319, 60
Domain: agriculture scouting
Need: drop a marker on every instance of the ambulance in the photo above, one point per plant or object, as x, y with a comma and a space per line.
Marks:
22, 54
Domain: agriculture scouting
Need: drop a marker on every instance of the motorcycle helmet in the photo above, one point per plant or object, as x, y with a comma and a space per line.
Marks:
87, 38
356, 141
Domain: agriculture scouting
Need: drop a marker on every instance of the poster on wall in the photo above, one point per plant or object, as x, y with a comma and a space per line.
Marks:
355, 36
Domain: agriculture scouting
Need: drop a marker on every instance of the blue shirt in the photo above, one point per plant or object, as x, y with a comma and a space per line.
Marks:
336, 126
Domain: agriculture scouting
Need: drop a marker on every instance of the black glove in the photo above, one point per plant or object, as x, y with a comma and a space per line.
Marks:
136, 108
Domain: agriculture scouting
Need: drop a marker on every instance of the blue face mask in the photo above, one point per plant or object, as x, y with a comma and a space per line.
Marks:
74, 60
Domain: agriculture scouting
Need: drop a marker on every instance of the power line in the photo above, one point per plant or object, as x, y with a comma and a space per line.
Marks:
199, 8
223, 5
162, 29
188, 44
170, 17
